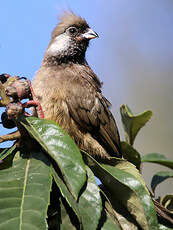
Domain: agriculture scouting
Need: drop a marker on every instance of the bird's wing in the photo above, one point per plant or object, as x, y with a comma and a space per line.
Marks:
90, 109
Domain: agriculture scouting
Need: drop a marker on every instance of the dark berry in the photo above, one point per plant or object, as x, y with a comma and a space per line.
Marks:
7, 123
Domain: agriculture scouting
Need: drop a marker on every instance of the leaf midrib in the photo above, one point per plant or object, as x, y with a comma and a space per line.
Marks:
23, 194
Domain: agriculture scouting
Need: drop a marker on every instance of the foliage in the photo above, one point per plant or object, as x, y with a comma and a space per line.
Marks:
50, 184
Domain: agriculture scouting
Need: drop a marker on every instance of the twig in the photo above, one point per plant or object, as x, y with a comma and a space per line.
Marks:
162, 211
10, 137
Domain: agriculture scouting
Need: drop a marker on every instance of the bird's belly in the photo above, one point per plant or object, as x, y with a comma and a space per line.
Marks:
56, 109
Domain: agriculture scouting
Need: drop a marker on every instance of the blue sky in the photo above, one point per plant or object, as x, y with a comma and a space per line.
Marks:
133, 55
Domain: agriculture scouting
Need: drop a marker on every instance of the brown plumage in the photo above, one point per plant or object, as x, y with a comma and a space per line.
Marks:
70, 92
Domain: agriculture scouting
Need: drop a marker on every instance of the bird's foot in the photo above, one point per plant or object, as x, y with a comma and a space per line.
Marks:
36, 104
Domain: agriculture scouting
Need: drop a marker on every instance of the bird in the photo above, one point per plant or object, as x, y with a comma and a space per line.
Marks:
70, 92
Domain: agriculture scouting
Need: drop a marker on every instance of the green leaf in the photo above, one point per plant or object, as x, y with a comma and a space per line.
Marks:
66, 222
112, 220
6, 157
158, 159
137, 199
109, 224
6, 152
162, 227
131, 154
167, 202
130, 168
129, 189
133, 123
110, 216
160, 177
90, 203
66, 194
2, 152
124, 219
24, 193
62, 149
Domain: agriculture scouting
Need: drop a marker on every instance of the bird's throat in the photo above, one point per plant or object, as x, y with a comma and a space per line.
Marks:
64, 50
64, 59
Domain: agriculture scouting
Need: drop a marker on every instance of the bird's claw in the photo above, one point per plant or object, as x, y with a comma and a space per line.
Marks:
32, 103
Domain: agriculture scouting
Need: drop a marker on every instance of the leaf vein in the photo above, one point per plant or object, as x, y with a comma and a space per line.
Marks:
24, 189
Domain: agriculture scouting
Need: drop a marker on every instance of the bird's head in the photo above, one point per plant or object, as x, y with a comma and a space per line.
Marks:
70, 39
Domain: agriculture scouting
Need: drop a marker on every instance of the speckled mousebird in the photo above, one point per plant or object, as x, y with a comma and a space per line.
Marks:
70, 92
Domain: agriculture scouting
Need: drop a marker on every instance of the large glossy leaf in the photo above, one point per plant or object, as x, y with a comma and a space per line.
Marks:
62, 149
133, 123
138, 200
130, 168
158, 159
60, 215
66, 222
66, 194
131, 154
129, 189
125, 220
109, 224
109, 218
160, 177
6, 157
90, 203
24, 193
89, 207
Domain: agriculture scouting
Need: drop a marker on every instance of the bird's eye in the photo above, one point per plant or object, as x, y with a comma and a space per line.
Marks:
72, 30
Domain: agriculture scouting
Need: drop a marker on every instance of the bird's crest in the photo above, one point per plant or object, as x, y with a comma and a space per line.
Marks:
66, 20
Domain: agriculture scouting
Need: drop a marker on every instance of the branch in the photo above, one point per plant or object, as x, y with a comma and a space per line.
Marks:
10, 137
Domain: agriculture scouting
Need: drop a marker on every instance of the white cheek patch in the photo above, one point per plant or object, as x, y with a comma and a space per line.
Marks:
60, 44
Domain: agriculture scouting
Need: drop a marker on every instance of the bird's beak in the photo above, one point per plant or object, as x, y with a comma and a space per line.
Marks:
89, 34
